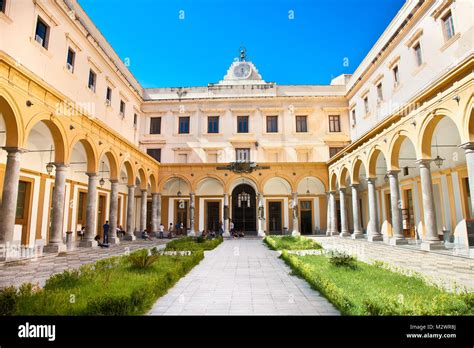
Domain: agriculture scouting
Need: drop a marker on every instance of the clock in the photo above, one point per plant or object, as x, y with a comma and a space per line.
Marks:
242, 70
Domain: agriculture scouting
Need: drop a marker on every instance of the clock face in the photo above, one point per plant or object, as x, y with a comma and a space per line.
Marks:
242, 71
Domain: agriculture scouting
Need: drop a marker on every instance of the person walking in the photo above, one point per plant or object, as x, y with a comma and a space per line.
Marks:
106, 232
170, 231
221, 228
161, 230
231, 225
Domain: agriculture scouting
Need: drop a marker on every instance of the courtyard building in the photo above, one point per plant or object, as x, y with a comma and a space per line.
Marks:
386, 153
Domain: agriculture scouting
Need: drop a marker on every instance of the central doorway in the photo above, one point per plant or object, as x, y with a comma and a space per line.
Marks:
244, 213
274, 217
306, 217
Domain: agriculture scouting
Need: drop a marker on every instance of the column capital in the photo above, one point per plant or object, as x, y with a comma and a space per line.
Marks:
424, 162
371, 179
342, 189
92, 175
354, 185
469, 146
14, 149
393, 172
114, 181
61, 166
131, 186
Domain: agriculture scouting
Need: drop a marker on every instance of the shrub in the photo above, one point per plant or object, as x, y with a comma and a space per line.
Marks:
142, 259
341, 259
291, 243
8, 300
193, 244
66, 280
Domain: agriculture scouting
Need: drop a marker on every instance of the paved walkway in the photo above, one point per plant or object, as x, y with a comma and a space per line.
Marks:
38, 270
441, 268
242, 277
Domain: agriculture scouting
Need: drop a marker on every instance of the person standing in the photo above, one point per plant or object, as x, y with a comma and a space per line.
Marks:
170, 231
231, 227
106, 232
162, 229
221, 228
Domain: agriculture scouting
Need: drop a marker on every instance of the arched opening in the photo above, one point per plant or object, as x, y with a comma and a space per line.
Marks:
377, 168
244, 204
277, 192
359, 178
210, 203
312, 205
451, 193
175, 202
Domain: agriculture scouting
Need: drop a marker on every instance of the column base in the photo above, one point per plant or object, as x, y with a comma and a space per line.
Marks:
261, 233
344, 234
129, 237
334, 233
397, 241
375, 238
88, 244
55, 248
226, 234
114, 240
191, 234
357, 235
295, 233
431, 245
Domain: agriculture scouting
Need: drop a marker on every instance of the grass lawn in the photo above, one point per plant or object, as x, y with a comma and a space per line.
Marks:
111, 286
373, 290
193, 243
291, 243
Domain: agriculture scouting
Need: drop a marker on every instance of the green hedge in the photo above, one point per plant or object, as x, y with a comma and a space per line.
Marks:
108, 287
291, 243
193, 243
372, 290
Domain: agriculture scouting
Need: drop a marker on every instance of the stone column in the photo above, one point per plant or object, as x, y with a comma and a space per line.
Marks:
294, 198
355, 213
395, 206
143, 201
332, 202
56, 244
154, 214
113, 212
431, 240
226, 215
130, 235
91, 220
158, 210
469, 151
191, 214
9, 197
342, 203
328, 214
261, 216
372, 228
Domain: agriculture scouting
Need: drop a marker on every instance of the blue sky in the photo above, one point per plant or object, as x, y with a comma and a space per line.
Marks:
167, 51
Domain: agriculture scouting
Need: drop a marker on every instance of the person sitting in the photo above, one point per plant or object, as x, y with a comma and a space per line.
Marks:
82, 232
120, 232
145, 235
241, 234
102, 245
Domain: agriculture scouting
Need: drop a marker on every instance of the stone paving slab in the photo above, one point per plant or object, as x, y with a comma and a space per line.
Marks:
40, 269
443, 269
242, 277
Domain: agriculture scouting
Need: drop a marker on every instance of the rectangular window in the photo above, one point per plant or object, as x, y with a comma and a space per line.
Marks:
366, 105
135, 120
92, 80
334, 150
242, 124
212, 158
183, 125
301, 124
334, 123
155, 153
396, 75
155, 125
2, 5
213, 124
272, 124
122, 108
448, 25
354, 119
418, 57
108, 96
302, 157
242, 155
379, 92
183, 158
71, 58
42, 33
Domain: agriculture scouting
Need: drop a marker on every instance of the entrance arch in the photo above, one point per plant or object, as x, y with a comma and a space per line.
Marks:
245, 215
